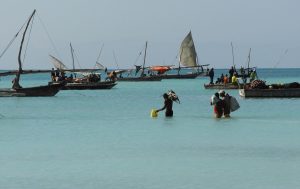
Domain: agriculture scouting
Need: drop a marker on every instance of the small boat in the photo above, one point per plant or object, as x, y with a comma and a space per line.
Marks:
187, 60
270, 93
38, 91
88, 81
142, 76
89, 85
221, 86
289, 90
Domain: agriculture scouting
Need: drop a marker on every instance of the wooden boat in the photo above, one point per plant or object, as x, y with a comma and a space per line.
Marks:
38, 91
187, 60
137, 79
88, 85
142, 76
258, 88
270, 93
221, 86
88, 80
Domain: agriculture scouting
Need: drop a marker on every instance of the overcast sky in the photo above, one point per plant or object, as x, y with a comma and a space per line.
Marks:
271, 28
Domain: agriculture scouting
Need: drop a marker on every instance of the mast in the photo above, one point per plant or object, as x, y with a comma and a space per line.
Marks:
72, 54
179, 62
143, 68
249, 60
232, 54
73, 62
16, 84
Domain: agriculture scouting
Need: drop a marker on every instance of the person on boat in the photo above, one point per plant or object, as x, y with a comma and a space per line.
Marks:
222, 78
234, 79
168, 105
226, 79
225, 98
112, 76
218, 105
70, 78
53, 74
253, 75
211, 75
57, 74
231, 72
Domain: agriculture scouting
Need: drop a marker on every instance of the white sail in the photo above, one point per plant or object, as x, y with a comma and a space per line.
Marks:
57, 63
188, 55
100, 66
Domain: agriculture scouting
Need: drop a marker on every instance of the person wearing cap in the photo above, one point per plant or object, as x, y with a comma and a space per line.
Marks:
225, 98
168, 105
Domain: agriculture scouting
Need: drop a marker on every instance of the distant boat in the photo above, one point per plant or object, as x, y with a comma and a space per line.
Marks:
17, 90
142, 76
88, 81
187, 60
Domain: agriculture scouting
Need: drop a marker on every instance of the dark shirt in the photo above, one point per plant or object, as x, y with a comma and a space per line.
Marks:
168, 105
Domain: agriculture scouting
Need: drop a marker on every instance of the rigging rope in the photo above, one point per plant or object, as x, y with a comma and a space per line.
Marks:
29, 35
12, 40
48, 35
76, 58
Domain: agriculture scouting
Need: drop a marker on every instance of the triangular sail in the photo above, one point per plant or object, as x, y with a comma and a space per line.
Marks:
58, 64
100, 66
188, 55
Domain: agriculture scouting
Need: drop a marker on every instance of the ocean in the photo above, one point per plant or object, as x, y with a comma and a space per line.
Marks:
107, 139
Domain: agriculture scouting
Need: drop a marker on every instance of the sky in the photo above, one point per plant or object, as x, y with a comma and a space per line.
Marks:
120, 28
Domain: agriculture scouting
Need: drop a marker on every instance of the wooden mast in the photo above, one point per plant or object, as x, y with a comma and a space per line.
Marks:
16, 84
249, 61
73, 62
143, 68
232, 54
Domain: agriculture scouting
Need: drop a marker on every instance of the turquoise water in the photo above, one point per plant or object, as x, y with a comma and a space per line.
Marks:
106, 139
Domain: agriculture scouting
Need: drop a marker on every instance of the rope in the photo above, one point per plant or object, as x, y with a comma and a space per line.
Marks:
77, 60
12, 40
29, 35
48, 35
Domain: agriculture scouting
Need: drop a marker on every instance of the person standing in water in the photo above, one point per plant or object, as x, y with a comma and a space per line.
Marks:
225, 98
218, 105
168, 105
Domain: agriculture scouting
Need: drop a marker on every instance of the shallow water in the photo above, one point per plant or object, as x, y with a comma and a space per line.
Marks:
106, 139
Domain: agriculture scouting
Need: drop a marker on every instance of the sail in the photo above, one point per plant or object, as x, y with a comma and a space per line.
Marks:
100, 66
57, 63
188, 55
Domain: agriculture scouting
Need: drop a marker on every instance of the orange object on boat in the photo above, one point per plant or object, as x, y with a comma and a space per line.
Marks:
160, 69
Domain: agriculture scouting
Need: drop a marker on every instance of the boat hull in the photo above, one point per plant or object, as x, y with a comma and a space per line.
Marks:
270, 93
89, 86
180, 76
39, 91
137, 79
221, 86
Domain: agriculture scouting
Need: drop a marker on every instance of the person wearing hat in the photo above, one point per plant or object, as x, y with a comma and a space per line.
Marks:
225, 97
168, 105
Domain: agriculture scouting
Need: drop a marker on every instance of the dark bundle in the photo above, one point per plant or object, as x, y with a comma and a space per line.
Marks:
258, 84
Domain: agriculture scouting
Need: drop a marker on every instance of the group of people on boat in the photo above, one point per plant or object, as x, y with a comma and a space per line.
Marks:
232, 76
57, 76
60, 76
